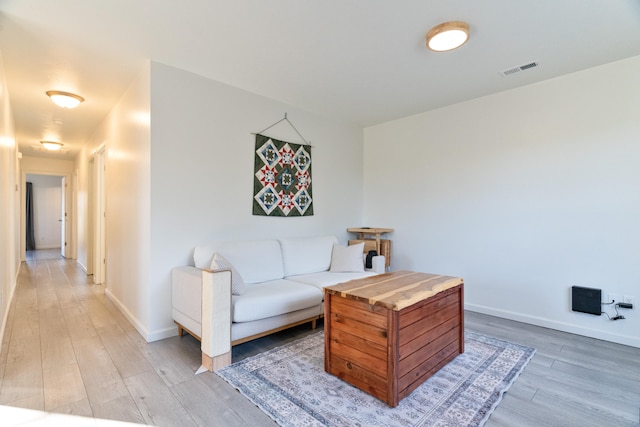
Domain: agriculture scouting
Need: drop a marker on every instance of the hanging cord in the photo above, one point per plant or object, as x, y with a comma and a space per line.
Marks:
290, 124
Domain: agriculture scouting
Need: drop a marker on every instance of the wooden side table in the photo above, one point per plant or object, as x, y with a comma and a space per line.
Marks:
387, 334
372, 241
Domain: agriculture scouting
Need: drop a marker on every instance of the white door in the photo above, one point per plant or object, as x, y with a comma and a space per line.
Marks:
63, 218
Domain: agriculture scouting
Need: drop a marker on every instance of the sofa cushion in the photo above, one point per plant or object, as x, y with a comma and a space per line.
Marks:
237, 283
255, 260
273, 298
306, 254
203, 255
347, 258
327, 278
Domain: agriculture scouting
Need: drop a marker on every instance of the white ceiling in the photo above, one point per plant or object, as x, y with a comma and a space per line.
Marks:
362, 61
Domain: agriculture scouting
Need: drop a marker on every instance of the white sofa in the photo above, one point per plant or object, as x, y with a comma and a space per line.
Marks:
276, 284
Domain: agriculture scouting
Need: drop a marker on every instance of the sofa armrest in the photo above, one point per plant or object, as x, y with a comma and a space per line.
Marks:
205, 296
216, 319
186, 293
377, 264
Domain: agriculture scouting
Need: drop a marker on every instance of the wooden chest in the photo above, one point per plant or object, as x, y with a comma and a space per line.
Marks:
387, 334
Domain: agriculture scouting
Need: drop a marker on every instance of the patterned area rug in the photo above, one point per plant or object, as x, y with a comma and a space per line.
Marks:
290, 385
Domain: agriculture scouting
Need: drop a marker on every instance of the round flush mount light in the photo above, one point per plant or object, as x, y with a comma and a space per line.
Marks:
448, 36
65, 99
52, 145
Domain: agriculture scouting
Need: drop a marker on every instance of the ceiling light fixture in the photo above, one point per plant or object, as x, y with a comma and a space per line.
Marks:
65, 99
448, 36
52, 145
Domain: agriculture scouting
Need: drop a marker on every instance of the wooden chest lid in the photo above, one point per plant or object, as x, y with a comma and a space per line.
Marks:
395, 290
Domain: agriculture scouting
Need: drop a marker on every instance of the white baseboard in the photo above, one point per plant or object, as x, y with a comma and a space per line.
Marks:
552, 324
82, 267
130, 317
148, 336
163, 333
9, 299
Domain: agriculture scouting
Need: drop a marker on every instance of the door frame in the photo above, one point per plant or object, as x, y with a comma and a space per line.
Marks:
64, 213
97, 247
69, 195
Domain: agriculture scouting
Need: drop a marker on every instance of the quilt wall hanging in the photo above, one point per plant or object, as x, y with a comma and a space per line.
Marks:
282, 178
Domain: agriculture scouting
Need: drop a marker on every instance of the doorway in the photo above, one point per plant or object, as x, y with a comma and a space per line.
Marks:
46, 225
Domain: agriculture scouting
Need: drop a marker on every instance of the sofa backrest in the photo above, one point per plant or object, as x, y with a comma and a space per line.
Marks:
304, 255
255, 260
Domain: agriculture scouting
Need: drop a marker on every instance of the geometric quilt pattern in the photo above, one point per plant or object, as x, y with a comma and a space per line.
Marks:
282, 178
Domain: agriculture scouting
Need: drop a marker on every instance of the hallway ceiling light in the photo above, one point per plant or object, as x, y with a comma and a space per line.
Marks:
448, 36
65, 99
52, 145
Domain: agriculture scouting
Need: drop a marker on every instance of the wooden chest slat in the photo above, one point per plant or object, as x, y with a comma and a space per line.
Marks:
415, 343
362, 312
361, 377
421, 373
376, 347
385, 346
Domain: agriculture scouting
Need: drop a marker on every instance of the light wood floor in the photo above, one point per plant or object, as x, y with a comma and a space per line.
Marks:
42, 254
67, 349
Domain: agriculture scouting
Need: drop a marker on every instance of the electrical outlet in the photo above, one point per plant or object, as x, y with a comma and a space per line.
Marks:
630, 300
614, 297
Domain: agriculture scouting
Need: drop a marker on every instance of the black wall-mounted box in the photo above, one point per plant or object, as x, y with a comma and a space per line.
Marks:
586, 300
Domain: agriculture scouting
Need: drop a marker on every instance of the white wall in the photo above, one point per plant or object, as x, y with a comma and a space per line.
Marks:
188, 181
202, 155
125, 135
47, 207
523, 193
9, 199
127, 203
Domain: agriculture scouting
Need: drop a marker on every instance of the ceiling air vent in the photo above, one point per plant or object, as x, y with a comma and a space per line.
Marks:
517, 69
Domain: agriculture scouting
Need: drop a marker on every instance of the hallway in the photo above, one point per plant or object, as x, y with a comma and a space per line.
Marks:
68, 349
